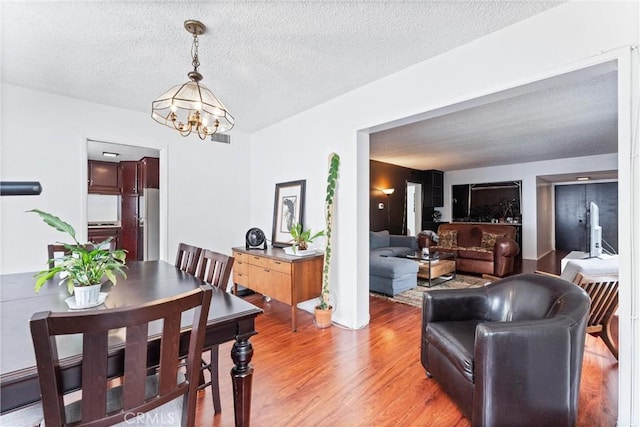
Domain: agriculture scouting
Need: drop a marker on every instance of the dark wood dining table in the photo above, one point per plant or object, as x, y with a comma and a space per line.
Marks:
230, 319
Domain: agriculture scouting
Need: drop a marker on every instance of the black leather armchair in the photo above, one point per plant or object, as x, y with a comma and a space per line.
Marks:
509, 353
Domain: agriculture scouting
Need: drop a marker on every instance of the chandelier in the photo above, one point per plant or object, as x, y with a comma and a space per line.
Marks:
192, 107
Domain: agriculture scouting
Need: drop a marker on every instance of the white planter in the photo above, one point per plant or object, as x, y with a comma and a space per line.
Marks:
292, 250
86, 295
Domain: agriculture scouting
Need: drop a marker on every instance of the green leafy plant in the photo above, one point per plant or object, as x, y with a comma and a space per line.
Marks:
300, 238
332, 182
84, 265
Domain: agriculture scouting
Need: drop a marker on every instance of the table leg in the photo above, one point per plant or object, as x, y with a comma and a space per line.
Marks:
241, 377
294, 316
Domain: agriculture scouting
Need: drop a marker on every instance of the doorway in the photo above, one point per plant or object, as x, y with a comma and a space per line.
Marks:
572, 210
413, 208
128, 210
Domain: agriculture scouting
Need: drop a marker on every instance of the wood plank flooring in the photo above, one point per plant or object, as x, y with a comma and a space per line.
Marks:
366, 377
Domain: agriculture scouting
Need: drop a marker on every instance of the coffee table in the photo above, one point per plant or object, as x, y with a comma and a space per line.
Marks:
436, 265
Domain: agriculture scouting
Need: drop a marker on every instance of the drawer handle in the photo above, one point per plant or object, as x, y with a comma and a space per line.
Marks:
266, 270
277, 262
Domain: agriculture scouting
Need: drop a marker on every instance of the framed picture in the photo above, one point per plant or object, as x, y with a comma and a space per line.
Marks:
288, 208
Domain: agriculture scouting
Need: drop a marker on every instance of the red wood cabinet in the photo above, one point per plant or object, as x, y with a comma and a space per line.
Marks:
129, 221
148, 173
103, 177
129, 177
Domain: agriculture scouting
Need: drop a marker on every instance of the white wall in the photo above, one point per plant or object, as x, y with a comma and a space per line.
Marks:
570, 36
204, 194
527, 173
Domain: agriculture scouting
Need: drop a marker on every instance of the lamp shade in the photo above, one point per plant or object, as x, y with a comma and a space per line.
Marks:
183, 100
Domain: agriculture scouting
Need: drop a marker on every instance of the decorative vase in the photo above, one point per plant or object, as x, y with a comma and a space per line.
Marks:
323, 317
86, 295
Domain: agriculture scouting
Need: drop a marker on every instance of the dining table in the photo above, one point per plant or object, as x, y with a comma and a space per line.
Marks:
230, 319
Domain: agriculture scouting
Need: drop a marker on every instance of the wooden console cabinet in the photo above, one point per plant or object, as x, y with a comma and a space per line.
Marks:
271, 272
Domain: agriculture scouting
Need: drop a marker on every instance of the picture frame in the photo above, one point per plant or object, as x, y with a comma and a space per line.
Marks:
288, 208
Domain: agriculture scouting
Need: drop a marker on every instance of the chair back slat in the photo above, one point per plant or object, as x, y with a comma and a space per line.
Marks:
94, 374
187, 258
603, 292
169, 353
95, 326
215, 268
135, 365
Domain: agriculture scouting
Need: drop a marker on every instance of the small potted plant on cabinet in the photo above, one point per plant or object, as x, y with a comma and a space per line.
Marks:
324, 310
82, 267
301, 240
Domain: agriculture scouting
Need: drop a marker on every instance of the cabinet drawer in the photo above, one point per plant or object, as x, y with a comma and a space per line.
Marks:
241, 278
258, 261
239, 256
280, 266
240, 267
272, 283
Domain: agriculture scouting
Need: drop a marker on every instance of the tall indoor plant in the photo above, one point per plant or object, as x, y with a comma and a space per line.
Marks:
324, 310
83, 266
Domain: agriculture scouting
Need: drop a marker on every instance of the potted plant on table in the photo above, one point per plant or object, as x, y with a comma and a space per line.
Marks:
324, 310
82, 267
301, 240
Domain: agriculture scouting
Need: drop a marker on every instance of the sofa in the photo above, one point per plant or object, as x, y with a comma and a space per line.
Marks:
509, 353
388, 273
480, 248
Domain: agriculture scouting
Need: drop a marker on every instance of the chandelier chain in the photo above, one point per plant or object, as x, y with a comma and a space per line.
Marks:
194, 53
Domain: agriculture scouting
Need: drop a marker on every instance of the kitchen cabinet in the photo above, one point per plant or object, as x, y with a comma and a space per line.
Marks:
103, 177
148, 173
100, 234
433, 188
129, 177
129, 233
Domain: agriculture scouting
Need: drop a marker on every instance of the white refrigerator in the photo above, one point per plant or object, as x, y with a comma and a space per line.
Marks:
149, 223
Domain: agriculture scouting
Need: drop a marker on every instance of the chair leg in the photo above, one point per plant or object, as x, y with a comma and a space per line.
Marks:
605, 334
215, 385
212, 367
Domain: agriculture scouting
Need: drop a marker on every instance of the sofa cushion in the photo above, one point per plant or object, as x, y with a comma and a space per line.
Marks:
378, 239
489, 240
476, 253
448, 238
400, 250
392, 267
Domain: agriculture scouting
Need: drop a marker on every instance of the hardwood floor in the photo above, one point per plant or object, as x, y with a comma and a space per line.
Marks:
366, 377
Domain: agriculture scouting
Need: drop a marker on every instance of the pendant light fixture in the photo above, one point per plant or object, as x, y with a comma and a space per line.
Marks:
192, 107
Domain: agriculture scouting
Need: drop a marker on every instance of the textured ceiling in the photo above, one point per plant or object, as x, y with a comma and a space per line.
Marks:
571, 115
269, 60
265, 60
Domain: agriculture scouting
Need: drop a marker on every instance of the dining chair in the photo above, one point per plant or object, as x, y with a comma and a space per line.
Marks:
167, 390
57, 248
54, 249
188, 258
214, 268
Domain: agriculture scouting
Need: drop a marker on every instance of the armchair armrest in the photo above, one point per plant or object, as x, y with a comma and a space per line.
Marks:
543, 375
506, 247
454, 304
403, 241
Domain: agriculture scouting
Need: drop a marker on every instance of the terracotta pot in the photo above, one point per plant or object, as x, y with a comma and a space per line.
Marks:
323, 318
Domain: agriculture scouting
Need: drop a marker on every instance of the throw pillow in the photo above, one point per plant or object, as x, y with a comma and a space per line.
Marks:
489, 240
378, 239
448, 238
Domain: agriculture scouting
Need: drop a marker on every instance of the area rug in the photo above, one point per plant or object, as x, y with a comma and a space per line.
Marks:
414, 296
